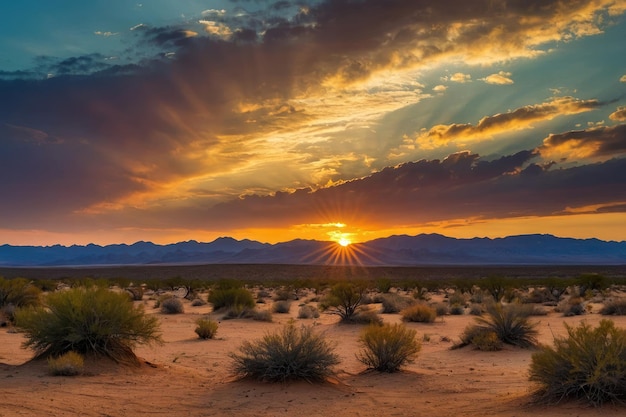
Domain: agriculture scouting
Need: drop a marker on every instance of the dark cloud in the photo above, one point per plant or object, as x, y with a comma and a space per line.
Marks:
605, 141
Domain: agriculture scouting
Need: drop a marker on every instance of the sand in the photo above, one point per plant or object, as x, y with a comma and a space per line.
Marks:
187, 376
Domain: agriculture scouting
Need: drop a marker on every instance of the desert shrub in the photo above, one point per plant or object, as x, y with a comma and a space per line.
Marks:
383, 285
238, 298
289, 354
394, 303
163, 297
262, 293
441, 309
136, 293
590, 363
284, 295
364, 315
344, 299
18, 292
420, 313
573, 306
308, 312
539, 296
457, 298
482, 338
172, 305
388, 347
510, 323
281, 307
457, 310
614, 308
476, 309
47, 285
206, 328
198, 302
94, 320
261, 315
68, 364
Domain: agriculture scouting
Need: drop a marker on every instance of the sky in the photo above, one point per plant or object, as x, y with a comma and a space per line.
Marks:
175, 120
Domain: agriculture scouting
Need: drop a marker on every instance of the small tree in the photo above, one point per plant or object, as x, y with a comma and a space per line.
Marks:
344, 299
93, 320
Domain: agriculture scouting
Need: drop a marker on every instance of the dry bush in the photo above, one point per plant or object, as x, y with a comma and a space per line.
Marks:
457, 298
614, 308
284, 295
510, 323
457, 310
344, 299
289, 354
281, 307
420, 313
68, 364
364, 315
476, 309
573, 306
136, 293
198, 302
231, 298
206, 328
482, 338
589, 364
172, 305
394, 303
308, 312
93, 320
441, 309
162, 298
261, 315
388, 347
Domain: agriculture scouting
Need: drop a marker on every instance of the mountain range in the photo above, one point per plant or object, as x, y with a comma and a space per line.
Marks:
401, 250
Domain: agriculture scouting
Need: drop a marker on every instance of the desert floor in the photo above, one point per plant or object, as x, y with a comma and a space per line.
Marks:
187, 376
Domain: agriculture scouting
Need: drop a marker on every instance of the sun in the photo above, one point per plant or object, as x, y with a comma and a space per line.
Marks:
344, 241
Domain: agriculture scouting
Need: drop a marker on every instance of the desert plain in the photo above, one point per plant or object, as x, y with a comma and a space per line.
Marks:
187, 376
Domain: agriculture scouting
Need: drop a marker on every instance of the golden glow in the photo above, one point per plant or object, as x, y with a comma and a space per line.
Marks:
344, 241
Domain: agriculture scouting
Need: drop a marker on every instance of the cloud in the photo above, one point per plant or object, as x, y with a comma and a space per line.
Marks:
600, 142
490, 126
440, 88
501, 78
623, 78
105, 34
619, 114
459, 77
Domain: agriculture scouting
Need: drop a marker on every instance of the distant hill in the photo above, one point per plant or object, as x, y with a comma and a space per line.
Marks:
424, 249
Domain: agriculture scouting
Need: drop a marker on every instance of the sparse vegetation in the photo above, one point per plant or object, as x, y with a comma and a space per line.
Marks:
388, 347
231, 298
87, 321
589, 364
614, 308
281, 307
289, 354
420, 313
344, 299
510, 323
172, 305
394, 303
206, 328
68, 364
308, 312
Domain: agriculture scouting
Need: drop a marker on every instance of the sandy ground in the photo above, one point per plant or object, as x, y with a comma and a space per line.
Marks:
187, 376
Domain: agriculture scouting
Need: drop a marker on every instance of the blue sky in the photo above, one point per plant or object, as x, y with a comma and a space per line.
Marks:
273, 120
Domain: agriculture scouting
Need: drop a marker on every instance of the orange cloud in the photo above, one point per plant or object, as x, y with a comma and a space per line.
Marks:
619, 114
501, 78
599, 142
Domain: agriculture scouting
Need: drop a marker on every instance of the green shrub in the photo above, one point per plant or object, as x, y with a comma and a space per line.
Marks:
420, 313
589, 364
18, 292
172, 305
237, 298
387, 348
383, 285
614, 308
206, 328
510, 323
93, 320
308, 312
289, 354
395, 303
68, 364
344, 299
281, 307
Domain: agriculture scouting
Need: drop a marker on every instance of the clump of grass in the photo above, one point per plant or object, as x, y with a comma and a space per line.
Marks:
614, 308
394, 303
364, 315
388, 347
87, 321
308, 312
589, 364
289, 354
510, 323
198, 302
420, 313
136, 293
228, 298
281, 307
482, 338
161, 298
172, 305
441, 309
572, 307
68, 364
457, 310
262, 315
206, 328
